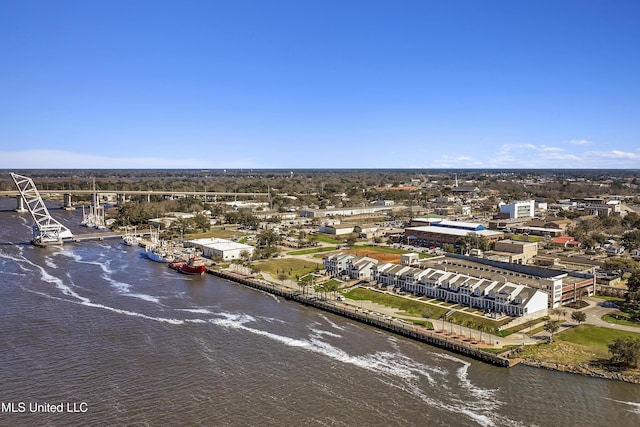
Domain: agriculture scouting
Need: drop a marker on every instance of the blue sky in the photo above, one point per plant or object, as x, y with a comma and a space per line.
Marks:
319, 84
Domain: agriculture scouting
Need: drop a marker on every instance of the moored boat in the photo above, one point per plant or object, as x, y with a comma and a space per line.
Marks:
177, 264
195, 265
157, 256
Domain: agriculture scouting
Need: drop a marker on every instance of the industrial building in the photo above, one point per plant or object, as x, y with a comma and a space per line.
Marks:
513, 251
220, 248
442, 231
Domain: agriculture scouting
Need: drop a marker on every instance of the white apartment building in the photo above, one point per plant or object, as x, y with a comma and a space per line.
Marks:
520, 209
487, 295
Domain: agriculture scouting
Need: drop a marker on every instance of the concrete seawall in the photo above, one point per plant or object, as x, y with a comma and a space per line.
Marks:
403, 329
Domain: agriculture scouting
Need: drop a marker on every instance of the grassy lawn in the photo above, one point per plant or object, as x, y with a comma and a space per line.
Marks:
411, 307
289, 267
612, 319
388, 250
526, 327
383, 249
594, 336
307, 279
215, 232
582, 344
326, 239
607, 298
331, 282
424, 323
408, 306
527, 238
312, 250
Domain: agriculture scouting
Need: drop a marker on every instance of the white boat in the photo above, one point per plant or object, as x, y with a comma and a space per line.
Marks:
158, 256
131, 239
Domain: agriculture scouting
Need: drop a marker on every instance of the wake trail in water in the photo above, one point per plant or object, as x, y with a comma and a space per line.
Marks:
394, 365
634, 406
107, 274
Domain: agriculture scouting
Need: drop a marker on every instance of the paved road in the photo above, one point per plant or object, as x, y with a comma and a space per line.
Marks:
595, 312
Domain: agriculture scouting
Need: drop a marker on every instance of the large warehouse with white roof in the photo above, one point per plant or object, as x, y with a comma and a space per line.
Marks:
220, 248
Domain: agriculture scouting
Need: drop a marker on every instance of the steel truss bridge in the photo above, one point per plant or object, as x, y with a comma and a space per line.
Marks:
47, 230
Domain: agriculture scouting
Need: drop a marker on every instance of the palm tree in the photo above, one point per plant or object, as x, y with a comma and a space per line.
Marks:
470, 324
563, 312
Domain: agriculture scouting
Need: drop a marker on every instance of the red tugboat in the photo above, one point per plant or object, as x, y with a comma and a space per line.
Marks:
195, 265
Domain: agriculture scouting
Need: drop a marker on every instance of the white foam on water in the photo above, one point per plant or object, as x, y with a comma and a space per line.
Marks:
125, 289
634, 406
49, 262
331, 323
107, 272
78, 299
195, 310
70, 254
14, 274
271, 320
319, 333
478, 392
391, 365
462, 374
66, 290
275, 297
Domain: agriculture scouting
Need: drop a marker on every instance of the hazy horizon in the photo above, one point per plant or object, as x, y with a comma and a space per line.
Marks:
415, 84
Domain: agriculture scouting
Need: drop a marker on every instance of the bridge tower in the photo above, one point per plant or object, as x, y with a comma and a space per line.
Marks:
46, 230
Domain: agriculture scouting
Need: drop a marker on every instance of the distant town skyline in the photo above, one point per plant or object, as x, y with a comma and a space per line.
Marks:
333, 84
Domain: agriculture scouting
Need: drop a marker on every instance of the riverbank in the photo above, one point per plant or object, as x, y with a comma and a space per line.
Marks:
583, 369
565, 356
442, 339
447, 341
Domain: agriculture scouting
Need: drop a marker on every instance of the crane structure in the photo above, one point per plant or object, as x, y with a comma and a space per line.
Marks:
46, 230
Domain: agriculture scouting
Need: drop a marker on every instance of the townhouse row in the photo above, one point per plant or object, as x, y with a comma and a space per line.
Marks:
482, 294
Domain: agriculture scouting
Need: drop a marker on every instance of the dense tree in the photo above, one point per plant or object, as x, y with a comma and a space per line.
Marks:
631, 239
181, 226
633, 283
351, 240
620, 264
242, 217
579, 316
201, 222
134, 213
625, 351
472, 241
268, 238
189, 204
631, 220
217, 209
448, 247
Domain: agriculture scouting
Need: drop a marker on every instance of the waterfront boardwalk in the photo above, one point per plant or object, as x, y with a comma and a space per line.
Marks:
439, 339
